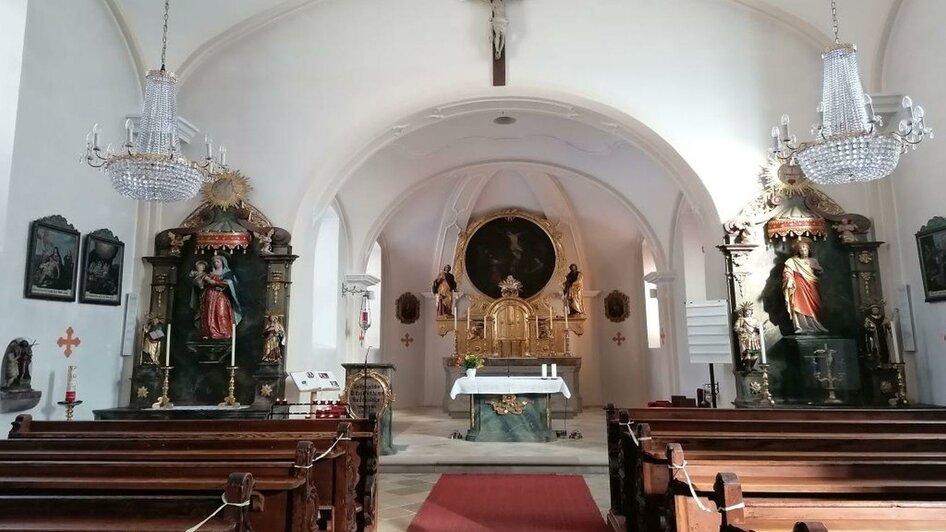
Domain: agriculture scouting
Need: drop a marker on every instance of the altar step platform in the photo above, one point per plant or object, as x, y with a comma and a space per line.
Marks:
422, 438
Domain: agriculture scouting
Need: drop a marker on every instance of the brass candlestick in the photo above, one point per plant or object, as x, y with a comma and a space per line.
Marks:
164, 401
901, 385
70, 406
766, 392
230, 400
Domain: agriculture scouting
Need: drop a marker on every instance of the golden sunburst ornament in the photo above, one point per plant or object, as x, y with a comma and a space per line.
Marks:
142, 392
227, 189
792, 181
266, 390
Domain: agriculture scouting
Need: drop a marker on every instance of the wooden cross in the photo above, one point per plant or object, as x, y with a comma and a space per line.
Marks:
68, 342
407, 340
619, 339
498, 24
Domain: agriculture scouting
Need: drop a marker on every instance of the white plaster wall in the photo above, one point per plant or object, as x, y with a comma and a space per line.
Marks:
12, 29
62, 93
914, 66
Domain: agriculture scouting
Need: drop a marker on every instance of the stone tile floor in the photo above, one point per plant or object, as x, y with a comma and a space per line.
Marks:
425, 450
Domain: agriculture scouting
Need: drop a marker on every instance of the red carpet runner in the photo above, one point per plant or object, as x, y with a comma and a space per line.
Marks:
509, 503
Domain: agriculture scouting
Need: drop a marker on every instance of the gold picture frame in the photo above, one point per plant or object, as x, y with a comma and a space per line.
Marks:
460, 267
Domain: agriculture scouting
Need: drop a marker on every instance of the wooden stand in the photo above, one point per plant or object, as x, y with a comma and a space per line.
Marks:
70, 406
230, 399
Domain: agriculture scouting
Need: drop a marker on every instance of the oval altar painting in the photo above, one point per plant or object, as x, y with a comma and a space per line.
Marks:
510, 246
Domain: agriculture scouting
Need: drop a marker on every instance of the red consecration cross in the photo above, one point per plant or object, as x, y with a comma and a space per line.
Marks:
407, 340
619, 339
68, 342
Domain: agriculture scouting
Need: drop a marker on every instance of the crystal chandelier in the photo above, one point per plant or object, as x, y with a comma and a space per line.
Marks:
849, 145
150, 166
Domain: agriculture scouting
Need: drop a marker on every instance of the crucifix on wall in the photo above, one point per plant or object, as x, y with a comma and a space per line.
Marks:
498, 25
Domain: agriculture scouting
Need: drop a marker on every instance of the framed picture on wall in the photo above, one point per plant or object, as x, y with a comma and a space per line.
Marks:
931, 246
52, 259
103, 257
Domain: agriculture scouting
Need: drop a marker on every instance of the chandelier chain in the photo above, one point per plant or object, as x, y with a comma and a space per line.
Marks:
164, 38
834, 20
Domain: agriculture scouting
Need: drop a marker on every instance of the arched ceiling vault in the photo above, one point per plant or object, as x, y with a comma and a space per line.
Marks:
200, 29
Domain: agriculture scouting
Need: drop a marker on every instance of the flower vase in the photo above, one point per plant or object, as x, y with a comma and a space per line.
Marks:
471, 373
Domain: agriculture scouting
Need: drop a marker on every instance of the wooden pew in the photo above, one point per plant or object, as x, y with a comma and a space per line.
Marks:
774, 511
639, 470
88, 511
354, 479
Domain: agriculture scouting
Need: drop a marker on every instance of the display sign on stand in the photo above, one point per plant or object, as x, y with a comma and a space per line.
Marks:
315, 381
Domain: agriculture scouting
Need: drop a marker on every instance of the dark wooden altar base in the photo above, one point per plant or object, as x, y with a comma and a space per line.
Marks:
145, 414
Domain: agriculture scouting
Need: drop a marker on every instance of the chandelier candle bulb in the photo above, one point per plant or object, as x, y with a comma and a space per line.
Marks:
167, 347
71, 378
210, 147
129, 133
223, 155
95, 135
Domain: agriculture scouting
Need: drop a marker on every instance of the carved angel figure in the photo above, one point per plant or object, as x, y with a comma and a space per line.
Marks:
177, 242
846, 230
265, 241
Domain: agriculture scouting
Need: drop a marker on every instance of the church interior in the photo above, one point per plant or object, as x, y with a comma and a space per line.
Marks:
472, 265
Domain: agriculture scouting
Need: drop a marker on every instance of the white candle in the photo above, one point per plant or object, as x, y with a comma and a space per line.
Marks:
762, 343
537, 326
545, 370
210, 147
167, 347
71, 384
95, 135
897, 356
554, 371
233, 345
454, 316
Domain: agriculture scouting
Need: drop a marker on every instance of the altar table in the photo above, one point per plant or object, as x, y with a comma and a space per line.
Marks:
510, 409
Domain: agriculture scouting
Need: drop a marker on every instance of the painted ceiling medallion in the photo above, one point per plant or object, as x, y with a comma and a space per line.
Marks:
228, 189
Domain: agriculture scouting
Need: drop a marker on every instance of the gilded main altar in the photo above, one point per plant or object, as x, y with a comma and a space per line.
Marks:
508, 253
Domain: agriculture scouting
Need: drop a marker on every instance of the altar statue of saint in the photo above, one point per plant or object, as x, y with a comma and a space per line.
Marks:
151, 336
17, 361
800, 287
444, 287
571, 291
748, 332
275, 335
876, 327
219, 308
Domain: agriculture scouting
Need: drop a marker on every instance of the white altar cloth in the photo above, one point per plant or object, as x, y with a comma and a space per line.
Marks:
508, 385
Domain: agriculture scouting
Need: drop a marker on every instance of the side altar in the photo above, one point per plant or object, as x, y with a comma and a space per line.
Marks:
809, 321
212, 344
512, 298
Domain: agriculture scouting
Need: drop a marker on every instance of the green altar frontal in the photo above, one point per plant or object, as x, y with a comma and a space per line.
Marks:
511, 418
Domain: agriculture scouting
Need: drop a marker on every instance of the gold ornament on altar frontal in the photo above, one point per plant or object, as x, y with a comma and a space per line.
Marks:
228, 189
509, 405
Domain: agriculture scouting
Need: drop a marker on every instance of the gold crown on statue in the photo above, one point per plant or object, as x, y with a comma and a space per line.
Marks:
510, 287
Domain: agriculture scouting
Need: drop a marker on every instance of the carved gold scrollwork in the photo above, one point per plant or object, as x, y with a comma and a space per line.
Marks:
508, 405
865, 257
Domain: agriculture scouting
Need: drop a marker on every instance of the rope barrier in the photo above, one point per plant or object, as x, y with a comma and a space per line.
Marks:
637, 441
683, 467
223, 497
323, 455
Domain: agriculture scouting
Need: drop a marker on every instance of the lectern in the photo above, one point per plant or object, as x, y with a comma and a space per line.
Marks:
369, 390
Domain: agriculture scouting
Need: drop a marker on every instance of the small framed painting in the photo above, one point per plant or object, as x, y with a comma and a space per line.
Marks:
103, 257
931, 246
52, 260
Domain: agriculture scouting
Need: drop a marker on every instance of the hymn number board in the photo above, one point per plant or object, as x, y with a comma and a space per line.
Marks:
367, 393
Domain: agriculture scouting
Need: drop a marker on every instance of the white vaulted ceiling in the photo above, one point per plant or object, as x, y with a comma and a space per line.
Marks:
198, 28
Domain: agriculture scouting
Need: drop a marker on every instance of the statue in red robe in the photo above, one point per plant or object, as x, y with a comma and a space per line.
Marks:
219, 307
800, 286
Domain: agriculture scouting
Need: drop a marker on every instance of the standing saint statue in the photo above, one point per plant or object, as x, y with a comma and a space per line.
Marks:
219, 309
151, 335
444, 286
748, 332
275, 337
800, 287
571, 291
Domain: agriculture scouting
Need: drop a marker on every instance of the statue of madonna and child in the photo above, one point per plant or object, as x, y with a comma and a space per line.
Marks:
215, 298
